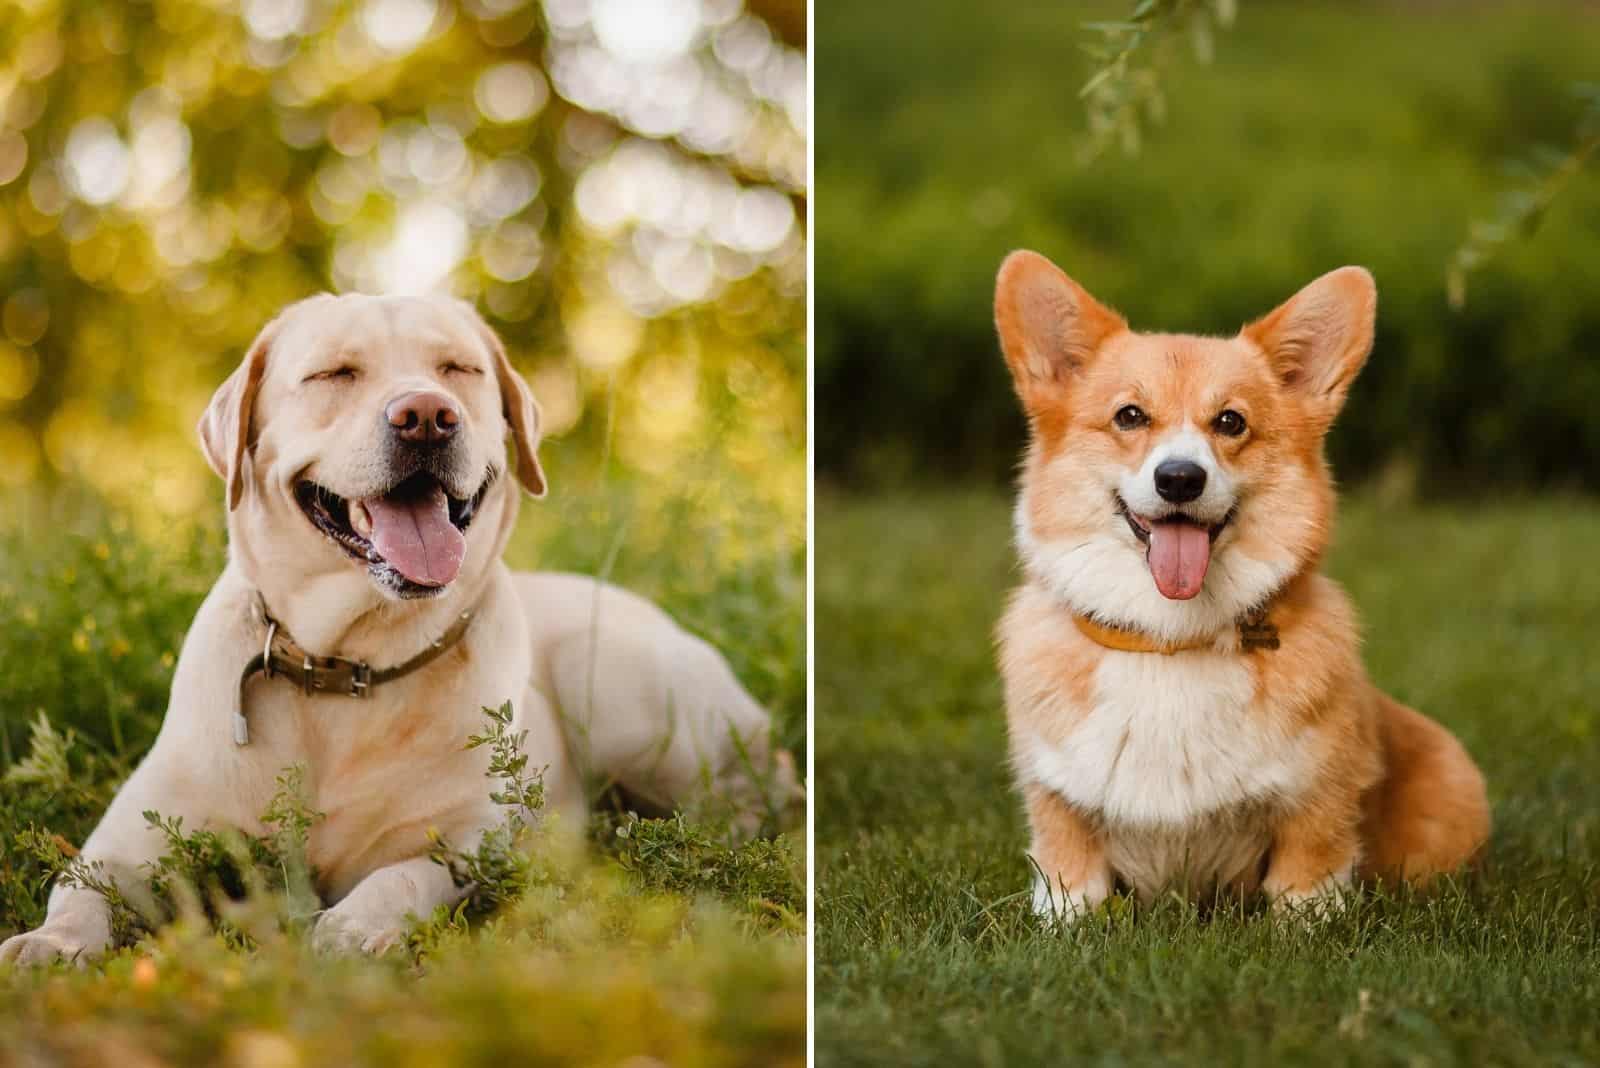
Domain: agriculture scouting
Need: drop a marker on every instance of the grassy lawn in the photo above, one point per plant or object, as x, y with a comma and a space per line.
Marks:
658, 940
1486, 617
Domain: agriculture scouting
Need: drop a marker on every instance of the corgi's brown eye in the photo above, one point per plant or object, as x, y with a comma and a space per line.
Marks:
1130, 417
1230, 423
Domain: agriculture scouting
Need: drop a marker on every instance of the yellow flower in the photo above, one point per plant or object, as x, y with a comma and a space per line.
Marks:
80, 641
145, 973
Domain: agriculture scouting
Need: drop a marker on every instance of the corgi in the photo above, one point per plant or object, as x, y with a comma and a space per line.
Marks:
1185, 699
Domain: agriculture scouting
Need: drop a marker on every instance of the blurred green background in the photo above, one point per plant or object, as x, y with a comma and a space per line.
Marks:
949, 133
619, 185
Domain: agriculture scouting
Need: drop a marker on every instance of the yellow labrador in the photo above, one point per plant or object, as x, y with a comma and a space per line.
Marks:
365, 618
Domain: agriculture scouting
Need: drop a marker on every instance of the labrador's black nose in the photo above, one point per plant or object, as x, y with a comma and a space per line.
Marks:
423, 417
1180, 481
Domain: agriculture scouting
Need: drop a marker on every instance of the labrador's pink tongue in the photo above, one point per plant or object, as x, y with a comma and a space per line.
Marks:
416, 536
1178, 557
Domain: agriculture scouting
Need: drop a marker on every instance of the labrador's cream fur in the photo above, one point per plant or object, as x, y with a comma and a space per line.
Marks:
603, 682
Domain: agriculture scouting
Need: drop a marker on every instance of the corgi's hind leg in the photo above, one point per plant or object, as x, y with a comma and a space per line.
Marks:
1429, 815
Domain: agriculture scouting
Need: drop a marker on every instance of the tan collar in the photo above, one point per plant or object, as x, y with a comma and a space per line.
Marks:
282, 657
1256, 631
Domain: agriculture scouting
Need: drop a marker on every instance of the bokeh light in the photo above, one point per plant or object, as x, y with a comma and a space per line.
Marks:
619, 184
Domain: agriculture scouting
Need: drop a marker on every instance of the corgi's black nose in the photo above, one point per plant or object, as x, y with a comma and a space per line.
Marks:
1180, 481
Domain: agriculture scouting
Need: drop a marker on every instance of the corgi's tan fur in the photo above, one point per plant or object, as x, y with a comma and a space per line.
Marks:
1217, 767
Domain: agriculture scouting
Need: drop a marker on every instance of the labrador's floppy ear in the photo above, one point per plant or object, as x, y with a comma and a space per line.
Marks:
225, 424
520, 409
1049, 325
1318, 339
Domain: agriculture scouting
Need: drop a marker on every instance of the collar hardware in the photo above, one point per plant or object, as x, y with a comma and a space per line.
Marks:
1256, 631
331, 676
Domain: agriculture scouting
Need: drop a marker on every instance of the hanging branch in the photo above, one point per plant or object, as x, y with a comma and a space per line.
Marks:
1544, 175
1124, 94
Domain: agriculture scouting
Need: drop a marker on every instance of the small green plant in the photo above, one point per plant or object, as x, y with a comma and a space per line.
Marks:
291, 817
50, 796
521, 793
202, 871
763, 875
59, 862
46, 764
497, 868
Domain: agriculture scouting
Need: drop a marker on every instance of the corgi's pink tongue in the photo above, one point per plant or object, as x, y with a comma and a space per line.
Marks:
416, 536
1179, 555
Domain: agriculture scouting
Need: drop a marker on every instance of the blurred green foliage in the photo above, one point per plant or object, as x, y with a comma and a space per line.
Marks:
588, 967
1321, 135
622, 197
1540, 176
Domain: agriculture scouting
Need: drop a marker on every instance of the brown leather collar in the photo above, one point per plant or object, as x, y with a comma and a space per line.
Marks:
336, 676
1256, 631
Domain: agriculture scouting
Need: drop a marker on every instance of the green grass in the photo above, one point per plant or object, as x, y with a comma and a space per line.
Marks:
656, 939
1486, 617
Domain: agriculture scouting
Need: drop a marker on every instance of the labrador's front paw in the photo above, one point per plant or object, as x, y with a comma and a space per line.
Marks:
345, 931
46, 945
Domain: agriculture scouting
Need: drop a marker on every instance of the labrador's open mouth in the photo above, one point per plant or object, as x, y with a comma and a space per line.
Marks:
1177, 549
411, 539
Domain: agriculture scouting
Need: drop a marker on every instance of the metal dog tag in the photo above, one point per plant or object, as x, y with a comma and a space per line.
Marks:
1255, 632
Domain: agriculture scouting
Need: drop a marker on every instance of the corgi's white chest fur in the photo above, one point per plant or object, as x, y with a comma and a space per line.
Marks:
1177, 762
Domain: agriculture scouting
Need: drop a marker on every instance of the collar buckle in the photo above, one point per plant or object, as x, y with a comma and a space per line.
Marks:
266, 647
331, 675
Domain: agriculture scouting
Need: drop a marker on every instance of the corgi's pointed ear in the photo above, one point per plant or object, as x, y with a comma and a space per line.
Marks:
1318, 339
225, 424
1049, 325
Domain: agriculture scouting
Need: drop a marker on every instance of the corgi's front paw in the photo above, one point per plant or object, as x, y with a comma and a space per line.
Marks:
1057, 903
1317, 903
